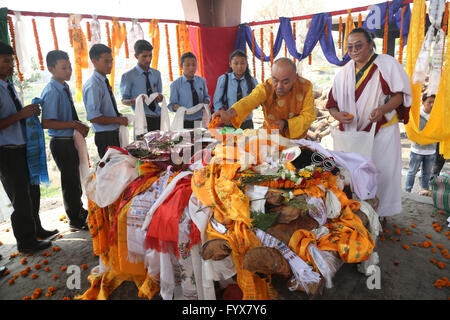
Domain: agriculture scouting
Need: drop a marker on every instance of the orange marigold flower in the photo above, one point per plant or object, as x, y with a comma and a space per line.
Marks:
51, 289
441, 265
63, 268
439, 246
38, 291
66, 298
382, 239
6, 272
428, 236
406, 229
84, 266
386, 231
60, 236
12, 255
413, 225
433, 260
55, 277
395, 226
434, 250
447, 233
414, 244
24, 273
48, 294
56, 249
406, 247
16, 276
47, 269
421, 244
34, 276
23, 261
34, 296
26, 298
37, 266
11, 281
45, 261
397, 231
6, 230
28, 269
438, 229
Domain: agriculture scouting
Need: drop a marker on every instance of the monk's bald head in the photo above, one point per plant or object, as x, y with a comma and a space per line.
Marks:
284, 75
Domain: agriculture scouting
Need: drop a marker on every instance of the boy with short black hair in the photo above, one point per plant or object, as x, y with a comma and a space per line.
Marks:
14, 174
189, 90
99, 101
422, 155
143, 79
60, 117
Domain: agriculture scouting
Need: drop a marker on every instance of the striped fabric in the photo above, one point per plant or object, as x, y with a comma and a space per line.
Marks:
440, 187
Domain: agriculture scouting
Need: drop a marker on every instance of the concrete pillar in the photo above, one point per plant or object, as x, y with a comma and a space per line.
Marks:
213, 13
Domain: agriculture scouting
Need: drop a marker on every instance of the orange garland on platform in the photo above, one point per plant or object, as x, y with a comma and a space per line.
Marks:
253, 52
38, 46
127, 52
108, 34
55, 39
88, 31
262, 54
13, 42
200, 59
168, 53
402, 40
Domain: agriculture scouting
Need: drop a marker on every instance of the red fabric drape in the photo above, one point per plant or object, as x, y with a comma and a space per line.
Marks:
216, 44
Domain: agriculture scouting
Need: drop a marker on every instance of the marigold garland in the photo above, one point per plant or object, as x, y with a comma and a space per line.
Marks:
13, 42
294, 31
262, 53
386, 30
200, 58
55, 39
271, 47
326, 31
108, 35
445, 28
359, 20
340, 33
253, 52
153, 31
179, 49
88, 31
127, 52
402, 40
168, 52
69, 27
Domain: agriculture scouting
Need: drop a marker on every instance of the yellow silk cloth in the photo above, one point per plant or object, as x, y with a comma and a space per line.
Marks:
80, 53
115, 256
347, 234
213, 185
118, 35
297, 107
437, 128
153, 32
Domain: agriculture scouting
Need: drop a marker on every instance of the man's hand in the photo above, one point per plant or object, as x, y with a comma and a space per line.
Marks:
176, 107
81, 128
30, 110
224, 116
343, 117
281, 125
377, 114
160, 97
123, 121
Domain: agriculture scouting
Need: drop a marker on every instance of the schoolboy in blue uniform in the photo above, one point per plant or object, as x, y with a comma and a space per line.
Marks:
189, 90
60, 117
143, 79
234, 85
14, 174
99, 101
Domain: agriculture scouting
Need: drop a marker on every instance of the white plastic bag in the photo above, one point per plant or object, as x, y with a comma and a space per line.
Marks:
360, 142
327, 262
111, 178
333, 205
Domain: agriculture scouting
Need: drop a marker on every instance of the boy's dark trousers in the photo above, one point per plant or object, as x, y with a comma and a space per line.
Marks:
105, 139
153, 123
66, 158
25, 197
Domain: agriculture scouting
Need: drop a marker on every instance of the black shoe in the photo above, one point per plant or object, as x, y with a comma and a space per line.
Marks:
79, 226
44, 234
83, 214
34, 247
2, 271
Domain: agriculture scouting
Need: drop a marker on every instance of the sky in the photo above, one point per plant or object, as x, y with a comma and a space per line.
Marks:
166, 9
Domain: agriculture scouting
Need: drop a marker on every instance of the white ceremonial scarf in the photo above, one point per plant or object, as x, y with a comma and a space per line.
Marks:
372, 97
178, 121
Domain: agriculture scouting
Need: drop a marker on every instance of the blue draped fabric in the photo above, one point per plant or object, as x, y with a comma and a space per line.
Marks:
316, 33
36, 156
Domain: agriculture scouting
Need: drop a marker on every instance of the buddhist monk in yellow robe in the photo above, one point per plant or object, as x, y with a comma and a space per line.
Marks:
286, 98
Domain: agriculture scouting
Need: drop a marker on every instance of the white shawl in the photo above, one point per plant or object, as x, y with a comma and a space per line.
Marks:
372, 97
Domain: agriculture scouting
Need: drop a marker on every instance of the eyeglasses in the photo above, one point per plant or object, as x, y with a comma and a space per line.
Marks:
357, 47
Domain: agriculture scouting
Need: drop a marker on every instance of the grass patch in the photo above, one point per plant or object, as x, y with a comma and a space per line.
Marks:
50, 192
